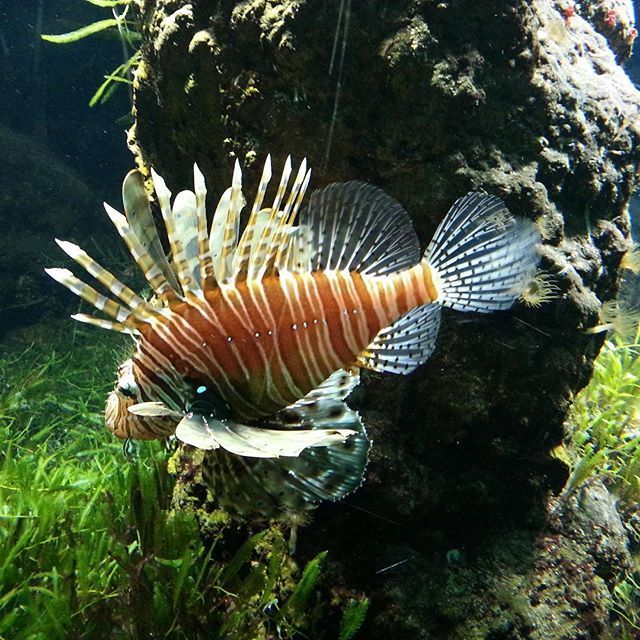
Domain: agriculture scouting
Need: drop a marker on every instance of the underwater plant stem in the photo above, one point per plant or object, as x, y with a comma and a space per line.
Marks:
125, 51
346, 10
38, 86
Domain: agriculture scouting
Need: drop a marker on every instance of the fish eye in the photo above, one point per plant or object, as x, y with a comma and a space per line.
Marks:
201, 389
126, 391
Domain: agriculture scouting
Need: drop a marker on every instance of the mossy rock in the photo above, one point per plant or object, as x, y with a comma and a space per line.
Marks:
431, 99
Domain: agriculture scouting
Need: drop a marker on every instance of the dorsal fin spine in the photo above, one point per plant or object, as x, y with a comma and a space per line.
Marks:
284, 181
105, 277
216, 235
187, 260
177, 248
105, 324
285, 222
243, 252
289, 238
139, 218
230, 235
265, 243
206, 264
149, 268
89, 294
289, 210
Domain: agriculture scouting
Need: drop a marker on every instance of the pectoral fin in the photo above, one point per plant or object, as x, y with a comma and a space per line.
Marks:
193, 429
254, 442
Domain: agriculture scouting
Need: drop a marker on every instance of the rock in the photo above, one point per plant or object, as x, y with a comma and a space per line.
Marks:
41, 199
428, 100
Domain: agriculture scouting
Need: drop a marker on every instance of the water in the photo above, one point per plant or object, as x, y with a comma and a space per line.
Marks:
480, 515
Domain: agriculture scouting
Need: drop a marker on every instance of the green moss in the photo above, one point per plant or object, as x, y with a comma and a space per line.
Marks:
89, 538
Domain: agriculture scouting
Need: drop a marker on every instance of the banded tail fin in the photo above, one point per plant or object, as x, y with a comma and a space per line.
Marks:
481, 256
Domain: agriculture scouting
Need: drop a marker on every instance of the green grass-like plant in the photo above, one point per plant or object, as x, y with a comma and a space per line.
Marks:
90, 546
604, 425
604, 441
119, 24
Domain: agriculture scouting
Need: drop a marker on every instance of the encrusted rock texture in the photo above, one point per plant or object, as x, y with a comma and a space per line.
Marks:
430, 100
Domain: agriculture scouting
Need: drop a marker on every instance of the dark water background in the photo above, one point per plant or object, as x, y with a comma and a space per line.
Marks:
45, 90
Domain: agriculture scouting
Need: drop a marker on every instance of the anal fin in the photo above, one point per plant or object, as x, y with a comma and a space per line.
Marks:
406, 344
337, 386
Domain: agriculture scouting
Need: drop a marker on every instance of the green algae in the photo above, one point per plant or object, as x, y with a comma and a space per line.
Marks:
604, 424
603, 442
124, 29
90, 537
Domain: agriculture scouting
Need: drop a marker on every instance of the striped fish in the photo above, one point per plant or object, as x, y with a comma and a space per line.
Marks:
256, 338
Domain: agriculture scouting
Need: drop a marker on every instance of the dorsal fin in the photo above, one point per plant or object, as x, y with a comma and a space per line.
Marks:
207, 276
185, 219
406, 344
274, 236
266, 240
289, 213
151, 270
358, 227
223, 238
181, 225
299, 251
255, 224
138, 214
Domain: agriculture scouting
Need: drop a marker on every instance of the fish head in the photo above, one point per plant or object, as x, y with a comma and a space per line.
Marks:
124, 424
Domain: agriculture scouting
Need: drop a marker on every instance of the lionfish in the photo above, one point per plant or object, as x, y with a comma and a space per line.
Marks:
253, 340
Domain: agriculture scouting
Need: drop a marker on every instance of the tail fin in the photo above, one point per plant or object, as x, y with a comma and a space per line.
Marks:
481, 256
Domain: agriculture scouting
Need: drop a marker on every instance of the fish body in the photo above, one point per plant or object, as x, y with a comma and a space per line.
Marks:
256, 339
263, 346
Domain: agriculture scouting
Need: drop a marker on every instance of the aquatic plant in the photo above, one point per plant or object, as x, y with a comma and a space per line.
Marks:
604, 442
128, 36
89, 539
604, 424
626, 604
